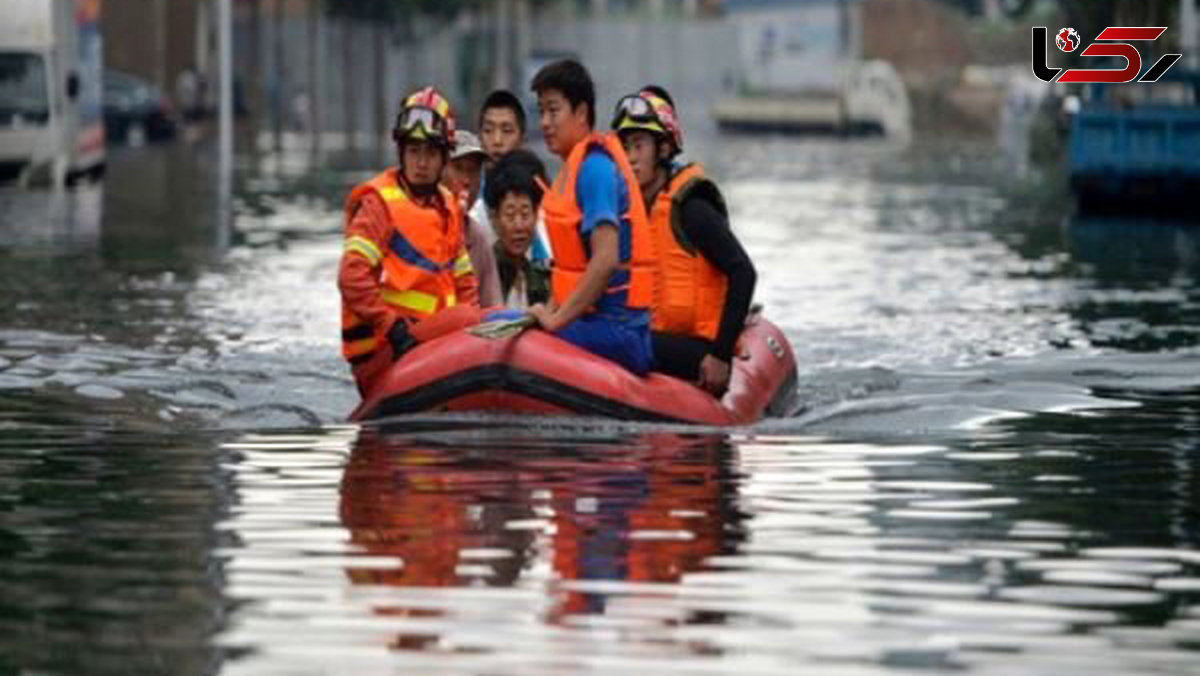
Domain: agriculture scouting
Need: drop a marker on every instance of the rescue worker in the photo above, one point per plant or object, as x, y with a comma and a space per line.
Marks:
404, 263
463, 176
513, 197
602, 277
705, 279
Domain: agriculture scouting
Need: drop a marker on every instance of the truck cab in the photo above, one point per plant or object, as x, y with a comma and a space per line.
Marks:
51, 89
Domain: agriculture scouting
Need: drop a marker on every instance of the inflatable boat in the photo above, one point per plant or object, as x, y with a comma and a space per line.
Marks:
536, 373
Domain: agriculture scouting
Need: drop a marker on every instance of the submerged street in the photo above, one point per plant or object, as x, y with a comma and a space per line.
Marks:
993, 470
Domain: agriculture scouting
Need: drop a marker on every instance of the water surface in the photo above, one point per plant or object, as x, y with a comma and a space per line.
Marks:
993, 472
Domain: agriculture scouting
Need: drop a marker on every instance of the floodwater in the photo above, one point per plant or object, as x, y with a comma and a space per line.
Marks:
994, 471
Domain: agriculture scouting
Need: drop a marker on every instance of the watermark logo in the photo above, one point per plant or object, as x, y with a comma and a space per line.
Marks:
1067, 40
1112, 41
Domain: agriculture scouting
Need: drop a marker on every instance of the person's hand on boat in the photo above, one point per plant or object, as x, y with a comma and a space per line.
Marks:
714, 375
400, 339
546, 317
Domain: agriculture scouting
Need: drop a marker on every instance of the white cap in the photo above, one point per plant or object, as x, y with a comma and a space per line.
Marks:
466, 144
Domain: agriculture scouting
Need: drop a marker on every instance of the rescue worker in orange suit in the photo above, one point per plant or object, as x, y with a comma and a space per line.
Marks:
405, 275
705, 279
602, 278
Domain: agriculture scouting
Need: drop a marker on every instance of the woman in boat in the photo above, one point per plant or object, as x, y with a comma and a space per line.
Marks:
513, 197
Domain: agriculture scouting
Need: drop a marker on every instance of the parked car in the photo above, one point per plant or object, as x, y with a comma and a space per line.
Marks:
135, 111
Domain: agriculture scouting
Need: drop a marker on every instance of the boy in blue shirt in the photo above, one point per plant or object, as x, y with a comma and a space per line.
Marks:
602, 280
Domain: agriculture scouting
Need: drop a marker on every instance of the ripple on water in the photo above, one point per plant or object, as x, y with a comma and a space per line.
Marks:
1098, 597
99, 392
924, 305
1189, 585
939, 515
11, 381
1097, 578
1127, 566
1135, 553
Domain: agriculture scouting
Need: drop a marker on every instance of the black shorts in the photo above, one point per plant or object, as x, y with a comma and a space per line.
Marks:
679, 356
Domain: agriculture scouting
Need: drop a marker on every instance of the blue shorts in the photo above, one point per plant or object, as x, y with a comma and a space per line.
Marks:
627, 343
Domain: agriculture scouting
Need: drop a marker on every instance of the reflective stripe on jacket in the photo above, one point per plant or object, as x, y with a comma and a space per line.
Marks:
418, 264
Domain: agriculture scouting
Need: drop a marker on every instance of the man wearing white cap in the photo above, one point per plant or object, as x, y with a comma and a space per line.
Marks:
462, 176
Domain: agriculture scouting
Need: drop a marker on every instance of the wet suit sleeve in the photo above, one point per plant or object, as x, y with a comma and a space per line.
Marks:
708, 230
360, 268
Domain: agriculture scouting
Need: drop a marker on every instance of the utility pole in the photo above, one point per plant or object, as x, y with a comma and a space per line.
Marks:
254, 88
349, 123
280, 77
379, 31
524, 26
1189, 40
160, 45
501, 74
316, 94
225, 123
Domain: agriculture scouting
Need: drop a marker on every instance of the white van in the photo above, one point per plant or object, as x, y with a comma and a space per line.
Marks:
51, 91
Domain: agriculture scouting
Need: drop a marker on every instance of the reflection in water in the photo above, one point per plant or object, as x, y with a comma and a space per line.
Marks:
1008, 484
641, 510
106, 540
475, 550
57, 221
1122, 250
1142, 282
160, 209
452, 549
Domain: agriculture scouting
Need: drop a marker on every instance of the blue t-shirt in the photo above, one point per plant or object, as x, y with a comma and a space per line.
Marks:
602, 196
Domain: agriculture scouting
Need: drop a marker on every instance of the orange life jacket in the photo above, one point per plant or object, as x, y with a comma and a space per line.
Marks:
419, 264
690, 291
563, 219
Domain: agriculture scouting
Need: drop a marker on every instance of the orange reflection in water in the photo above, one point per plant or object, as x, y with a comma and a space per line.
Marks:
644, 509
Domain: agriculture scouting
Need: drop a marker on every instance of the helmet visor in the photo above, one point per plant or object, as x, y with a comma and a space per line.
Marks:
419, 123
634, 109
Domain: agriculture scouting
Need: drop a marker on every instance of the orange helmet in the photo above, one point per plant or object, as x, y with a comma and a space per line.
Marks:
425, 115
649, 112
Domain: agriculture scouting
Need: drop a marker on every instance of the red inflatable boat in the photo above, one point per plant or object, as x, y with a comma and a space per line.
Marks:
536, 373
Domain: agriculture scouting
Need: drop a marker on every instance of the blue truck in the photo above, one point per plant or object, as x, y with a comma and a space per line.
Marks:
1138, 147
